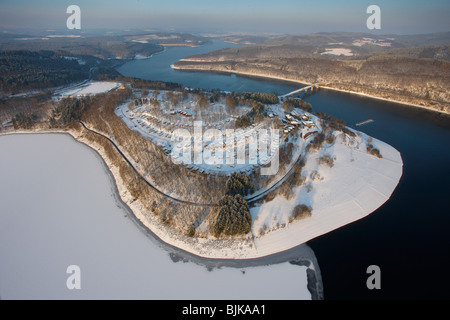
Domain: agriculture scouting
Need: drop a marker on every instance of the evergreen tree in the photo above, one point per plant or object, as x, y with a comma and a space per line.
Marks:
234, 216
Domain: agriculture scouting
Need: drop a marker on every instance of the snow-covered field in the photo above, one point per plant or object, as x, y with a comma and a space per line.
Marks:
370, 41
355, 186
338, 52
59, 208
90, 88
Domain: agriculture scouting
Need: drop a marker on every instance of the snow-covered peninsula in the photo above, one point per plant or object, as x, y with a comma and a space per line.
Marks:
341, 182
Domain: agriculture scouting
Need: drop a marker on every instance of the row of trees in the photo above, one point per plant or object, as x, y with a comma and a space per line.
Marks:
149, 84
330, 121
373, 151
235, 98
290, 104
70, 109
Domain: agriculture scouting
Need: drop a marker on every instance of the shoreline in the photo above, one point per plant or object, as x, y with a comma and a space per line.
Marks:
307, 84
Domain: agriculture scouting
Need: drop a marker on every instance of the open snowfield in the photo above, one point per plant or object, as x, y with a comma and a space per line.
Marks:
90, 88
356, 185
338, 52
370, 41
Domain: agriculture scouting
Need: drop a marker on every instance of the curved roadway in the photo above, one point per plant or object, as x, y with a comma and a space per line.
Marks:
249, 199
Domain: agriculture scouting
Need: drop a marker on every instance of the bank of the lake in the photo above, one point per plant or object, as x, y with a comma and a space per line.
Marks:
263, 76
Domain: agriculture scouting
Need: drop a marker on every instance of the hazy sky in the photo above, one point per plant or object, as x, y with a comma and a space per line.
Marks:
255, 16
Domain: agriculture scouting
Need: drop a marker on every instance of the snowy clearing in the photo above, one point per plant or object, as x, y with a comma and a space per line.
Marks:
338, 52
90, 88
370, 41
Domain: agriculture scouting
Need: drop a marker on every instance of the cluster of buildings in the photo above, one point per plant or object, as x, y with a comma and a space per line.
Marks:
182, 113
294, 119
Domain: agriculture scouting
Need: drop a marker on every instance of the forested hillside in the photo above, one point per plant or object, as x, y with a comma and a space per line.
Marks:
390, 67
25, 70
100, 47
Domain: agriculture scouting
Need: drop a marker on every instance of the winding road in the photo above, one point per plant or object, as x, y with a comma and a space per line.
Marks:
250, 199
140, 175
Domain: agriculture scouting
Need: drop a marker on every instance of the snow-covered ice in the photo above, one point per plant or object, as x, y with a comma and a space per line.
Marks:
59, 209
90, 88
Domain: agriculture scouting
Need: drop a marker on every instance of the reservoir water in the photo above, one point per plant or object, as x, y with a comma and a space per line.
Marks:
159, 68
408, 236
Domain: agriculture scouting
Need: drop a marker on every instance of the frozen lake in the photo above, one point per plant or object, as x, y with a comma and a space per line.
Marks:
58, 208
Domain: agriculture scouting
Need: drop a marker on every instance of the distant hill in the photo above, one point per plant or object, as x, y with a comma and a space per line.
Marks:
161, 38
325, 38
100, 47
432, 39
412, 69
424, 46
103, 47
35, 62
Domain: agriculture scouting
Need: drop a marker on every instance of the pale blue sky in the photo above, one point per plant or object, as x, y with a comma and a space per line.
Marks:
278, 16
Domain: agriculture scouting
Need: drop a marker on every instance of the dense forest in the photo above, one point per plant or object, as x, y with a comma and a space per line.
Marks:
290, 104
25, 70
28, 70
104, 47
31, 63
